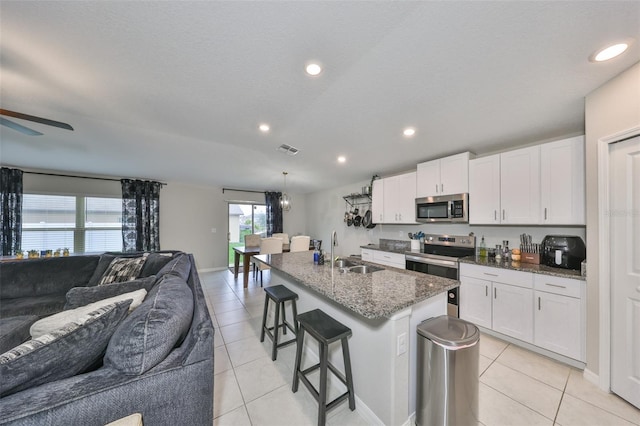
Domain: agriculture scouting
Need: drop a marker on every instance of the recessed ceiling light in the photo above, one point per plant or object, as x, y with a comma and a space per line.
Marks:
342, 159
313, 68
609, 52
264, 127
409, 131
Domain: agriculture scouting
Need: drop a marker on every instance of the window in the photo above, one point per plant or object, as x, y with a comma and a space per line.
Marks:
81, 224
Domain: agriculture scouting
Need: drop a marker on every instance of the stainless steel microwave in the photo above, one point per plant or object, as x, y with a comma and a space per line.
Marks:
443, 208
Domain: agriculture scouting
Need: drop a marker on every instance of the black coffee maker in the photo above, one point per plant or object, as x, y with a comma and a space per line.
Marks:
563, 251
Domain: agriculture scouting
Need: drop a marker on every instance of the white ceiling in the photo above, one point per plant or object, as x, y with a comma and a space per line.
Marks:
175, 91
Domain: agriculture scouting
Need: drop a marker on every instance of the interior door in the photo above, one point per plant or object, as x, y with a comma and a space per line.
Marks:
624, 213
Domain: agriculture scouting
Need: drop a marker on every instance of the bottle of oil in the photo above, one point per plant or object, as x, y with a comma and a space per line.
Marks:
483, 248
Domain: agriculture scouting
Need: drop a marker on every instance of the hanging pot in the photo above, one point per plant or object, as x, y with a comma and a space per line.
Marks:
366, 219
357, 220
368, 216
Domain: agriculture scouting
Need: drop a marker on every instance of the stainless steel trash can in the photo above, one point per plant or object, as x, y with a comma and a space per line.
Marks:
447, 382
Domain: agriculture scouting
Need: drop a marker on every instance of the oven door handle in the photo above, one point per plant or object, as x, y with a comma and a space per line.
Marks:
448, 263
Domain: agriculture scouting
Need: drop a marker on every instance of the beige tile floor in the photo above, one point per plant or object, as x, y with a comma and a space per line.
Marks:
517, 387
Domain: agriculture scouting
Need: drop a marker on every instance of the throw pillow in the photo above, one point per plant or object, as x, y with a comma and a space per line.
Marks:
56, 321
155, 262
62, 353
148, 335
122, 269
179, 266
81, 296
103, 264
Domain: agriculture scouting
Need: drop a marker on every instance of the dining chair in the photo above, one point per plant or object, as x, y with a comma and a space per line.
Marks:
268, 246
283, 236
252, 240
299, 243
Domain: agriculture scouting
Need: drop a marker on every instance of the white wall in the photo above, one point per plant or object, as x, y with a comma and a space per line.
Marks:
610, 109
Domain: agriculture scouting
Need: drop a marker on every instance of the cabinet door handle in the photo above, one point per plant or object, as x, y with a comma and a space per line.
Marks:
495, 215
486, 290
538, 303
491, 275
502, 214
495, 293
400, 216
545, 213
436, 188
555, 285
441, 187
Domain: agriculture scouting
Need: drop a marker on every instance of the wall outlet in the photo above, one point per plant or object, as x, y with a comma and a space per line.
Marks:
214, 230
402, 344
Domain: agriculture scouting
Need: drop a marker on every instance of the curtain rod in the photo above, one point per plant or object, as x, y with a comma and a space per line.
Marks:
80, 177
242, 190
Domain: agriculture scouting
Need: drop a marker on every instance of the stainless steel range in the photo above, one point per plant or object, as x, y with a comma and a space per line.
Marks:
439, 256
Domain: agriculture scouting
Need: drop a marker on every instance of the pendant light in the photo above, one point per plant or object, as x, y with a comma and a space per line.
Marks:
285, 200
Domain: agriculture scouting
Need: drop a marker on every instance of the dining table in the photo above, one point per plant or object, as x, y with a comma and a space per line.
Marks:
246, 252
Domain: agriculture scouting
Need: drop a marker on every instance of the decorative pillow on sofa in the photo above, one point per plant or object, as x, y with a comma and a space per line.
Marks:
62, 353
155, 261
179, 266
81, 296
103, 264
123, 269
151, 331
56, 321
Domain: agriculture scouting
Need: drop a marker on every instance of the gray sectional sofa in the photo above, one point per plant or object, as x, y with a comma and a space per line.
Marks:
156, 360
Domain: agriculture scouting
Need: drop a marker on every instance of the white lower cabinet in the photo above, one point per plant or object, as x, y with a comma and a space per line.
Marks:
513, 311
546, 311
560, 315
475, 301
386, 258
367, 254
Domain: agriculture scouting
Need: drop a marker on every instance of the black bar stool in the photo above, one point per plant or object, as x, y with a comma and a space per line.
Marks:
279, 294
325, 330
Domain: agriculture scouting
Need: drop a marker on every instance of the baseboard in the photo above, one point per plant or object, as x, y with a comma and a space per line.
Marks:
221, 268
591, 377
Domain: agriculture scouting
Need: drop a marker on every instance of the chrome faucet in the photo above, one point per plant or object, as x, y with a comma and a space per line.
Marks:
334, 242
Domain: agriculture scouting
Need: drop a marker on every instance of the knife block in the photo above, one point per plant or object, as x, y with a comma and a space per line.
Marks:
533, 258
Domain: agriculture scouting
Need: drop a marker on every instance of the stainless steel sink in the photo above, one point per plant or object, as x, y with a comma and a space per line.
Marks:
343, 263
364, 269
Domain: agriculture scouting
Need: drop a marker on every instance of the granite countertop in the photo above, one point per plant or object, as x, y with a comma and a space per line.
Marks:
524, 267
373, 295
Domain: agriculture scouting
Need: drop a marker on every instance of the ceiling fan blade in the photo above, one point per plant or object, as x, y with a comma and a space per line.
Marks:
35, 119
18, 127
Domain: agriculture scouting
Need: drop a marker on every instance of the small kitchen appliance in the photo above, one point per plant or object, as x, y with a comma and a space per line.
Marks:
444, 208
563, 251
439, 257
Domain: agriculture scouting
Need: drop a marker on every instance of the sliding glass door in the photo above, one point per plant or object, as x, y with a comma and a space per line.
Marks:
245, 219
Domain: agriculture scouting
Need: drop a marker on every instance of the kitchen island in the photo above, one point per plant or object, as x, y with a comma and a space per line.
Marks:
383, 309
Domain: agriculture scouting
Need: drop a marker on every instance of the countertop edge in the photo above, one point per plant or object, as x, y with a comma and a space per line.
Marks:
385, 314
525, 267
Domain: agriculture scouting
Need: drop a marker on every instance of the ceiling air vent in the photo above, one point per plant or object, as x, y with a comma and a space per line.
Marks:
288, 149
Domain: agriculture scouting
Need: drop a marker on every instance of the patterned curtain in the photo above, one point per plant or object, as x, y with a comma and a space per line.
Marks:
11, 216
274, 212
140, 215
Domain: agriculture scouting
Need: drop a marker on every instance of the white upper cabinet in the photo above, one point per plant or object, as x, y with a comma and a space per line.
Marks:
520, 186
399, 198
393, 199
377, 201
484, 190
562, 177
542, 184
446, 176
